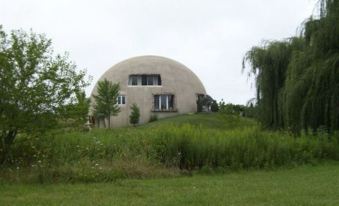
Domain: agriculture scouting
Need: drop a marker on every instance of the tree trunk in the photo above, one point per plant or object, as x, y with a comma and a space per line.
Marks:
104, 120
109, 121
7, 138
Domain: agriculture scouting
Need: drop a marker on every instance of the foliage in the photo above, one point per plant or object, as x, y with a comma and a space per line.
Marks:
34, 85
269, 64
231, 109
193, 148
168, 147
153, 118
76, 113
135, 114
297, 79
106, 100
214, 106
204, 103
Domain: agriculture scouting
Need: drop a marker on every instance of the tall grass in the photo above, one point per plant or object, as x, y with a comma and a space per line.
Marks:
163, 148
190, 147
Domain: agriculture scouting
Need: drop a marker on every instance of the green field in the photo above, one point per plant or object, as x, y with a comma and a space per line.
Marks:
305, 185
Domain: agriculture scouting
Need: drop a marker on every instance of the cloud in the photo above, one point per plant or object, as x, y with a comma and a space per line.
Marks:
208, 36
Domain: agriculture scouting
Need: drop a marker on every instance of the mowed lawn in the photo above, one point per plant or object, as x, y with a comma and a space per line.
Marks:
304, 185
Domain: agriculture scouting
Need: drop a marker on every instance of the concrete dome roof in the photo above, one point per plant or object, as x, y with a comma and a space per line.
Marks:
173, 73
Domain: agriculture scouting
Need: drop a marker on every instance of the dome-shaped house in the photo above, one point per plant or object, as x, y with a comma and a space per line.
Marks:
158, 85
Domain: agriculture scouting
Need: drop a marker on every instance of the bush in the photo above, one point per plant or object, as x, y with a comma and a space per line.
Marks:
214, 106
135, 115
153, 118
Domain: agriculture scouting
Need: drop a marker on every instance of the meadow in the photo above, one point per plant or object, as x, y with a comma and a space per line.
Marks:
305, 185
175, 147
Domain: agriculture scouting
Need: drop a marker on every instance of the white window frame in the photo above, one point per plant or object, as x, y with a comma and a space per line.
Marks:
167, 102
151, 77
120, 99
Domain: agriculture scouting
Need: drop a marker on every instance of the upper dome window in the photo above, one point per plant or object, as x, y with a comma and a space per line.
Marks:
144, 79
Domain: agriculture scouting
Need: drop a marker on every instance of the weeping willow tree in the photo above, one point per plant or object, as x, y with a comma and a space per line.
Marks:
269, 64
297, 80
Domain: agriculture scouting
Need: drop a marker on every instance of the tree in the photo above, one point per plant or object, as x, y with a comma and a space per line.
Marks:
297, 80
214, 106
231, 109
106, 100
204, 102
135, 115
34, 85
75, 114
269, 65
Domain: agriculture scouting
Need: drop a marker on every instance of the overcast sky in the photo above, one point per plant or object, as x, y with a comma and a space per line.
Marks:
208, 36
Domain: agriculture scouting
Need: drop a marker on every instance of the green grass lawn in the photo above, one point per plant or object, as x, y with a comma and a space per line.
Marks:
206, 120
305, 185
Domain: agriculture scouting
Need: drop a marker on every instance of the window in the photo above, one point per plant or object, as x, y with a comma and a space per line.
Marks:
164, 102
150, 80
144, 79
133, 80
121, 100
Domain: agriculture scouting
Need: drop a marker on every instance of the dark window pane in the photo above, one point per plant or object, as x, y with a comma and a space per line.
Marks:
134, 80
144, 79
150, 80
171, 101
123, 100
156, 102
163, 102
159, 80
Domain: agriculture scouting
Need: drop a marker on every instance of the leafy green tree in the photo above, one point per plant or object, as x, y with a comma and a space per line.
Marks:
204, 101
297, 80
81, 107
214, 106
106, 100
231, 109
269, 64
34, 85
75, 114
135, 114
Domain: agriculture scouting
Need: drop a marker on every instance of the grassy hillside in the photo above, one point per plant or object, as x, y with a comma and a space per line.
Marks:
208, 121
171, 147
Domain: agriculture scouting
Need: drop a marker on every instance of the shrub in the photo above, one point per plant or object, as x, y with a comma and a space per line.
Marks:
153, 118
214, 106
135, 115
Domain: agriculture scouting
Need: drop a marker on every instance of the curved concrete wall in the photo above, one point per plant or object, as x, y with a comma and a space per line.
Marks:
176, 79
